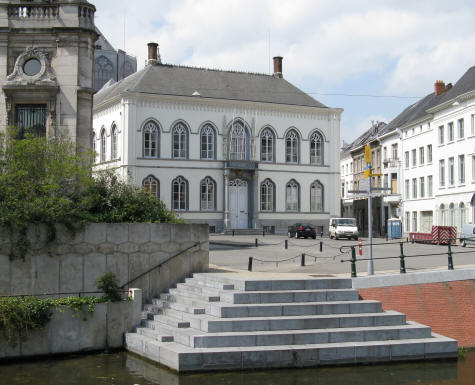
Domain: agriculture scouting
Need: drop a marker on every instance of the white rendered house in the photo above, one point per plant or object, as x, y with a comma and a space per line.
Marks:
234, 150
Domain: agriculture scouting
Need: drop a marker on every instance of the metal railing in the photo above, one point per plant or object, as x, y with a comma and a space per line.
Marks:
74, 293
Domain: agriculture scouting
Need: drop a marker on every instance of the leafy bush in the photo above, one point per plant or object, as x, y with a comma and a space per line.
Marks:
109, 285
49, 181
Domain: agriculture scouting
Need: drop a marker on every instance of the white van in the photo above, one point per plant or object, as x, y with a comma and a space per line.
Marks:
343, 228
467, 236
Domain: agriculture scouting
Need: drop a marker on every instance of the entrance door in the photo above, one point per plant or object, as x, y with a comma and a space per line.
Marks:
238, 210
427, 220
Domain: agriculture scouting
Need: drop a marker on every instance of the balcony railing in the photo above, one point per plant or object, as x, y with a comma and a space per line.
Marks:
37, 11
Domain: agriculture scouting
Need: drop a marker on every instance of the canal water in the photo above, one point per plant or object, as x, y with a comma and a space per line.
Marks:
127, 369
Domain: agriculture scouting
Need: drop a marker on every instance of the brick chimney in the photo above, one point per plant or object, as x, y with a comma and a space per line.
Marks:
278, 66
153, 55
439, 87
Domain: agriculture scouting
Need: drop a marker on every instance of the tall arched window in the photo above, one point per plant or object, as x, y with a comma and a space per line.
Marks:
463, 215
180, 141
316, 197
208, 142
151, 185
114, 142
267, 195
93, 147
451, 214
103, 71
180, 194
292, 196
292, 147
208, 194
151, 140
443, 215
316, 148
103, 145
267, 145
237, 142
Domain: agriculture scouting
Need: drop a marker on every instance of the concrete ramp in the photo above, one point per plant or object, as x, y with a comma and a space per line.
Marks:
235, 322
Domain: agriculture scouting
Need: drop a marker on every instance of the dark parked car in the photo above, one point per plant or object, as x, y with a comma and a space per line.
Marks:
302, 230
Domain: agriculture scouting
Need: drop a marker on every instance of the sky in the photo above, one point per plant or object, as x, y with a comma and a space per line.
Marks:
338, 51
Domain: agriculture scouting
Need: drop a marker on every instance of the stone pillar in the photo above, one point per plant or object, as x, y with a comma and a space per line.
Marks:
226, 199
136, 296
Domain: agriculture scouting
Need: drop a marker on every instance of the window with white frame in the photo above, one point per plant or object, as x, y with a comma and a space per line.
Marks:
208, 142
472, 125
114, 142
408, 221
414, 188
292, 147
443, 215
267, 195
461, 169
421, 155
414, 158
316, 149
267, 145
414, 221
429, 153
237, 142
450, 132
292, 195
150, 140
180, 194
463, 215
180, 141
394, 151
451, 167
208, 194
452, 214
406, 190
422, 189
93, 146
461, 129
316, 197
442, 173
103, 145
385, 153
429, 186
406, 159
441, 134
151, 185
473, 169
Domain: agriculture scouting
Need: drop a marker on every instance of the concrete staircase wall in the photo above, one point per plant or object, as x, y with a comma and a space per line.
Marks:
217, 322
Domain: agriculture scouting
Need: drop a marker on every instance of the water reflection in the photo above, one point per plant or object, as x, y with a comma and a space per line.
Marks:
126, 369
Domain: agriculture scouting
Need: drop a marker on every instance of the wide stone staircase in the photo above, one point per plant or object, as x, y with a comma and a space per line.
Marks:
233, 321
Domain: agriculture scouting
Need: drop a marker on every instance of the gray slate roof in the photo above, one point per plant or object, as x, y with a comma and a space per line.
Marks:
366, 137
209, 83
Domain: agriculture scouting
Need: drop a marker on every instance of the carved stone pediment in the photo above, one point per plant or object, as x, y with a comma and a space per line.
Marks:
44, 77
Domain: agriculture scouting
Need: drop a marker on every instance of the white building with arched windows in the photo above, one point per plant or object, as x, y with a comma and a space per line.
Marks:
231, 149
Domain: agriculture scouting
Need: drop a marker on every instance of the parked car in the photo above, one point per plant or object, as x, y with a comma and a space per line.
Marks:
302, 230
467, 236
343, 228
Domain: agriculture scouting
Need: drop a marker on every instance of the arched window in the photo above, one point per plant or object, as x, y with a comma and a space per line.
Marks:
208, 194
114, 142
443, 215
463, 215
267, 145
151, 185
93, 147
180, 141
151, 142
316, 197
316, 148
180, 194
103, 145
451, 214
267, 195
292, 147
292, 196
208, 142
237, 142
103, 71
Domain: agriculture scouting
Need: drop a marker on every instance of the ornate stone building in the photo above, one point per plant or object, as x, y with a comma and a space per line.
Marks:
232, 149
46, 64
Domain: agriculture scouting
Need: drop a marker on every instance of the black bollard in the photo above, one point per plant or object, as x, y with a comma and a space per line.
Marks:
451, 262
321, 247
353, 262
286, 244
263, 233
302, 262
233, 233
249, 265
402, 269
321, 234
257, 244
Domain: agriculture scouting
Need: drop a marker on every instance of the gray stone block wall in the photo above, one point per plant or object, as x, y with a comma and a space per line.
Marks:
73, 262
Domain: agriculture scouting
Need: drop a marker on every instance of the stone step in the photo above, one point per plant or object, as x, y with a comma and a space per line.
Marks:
191, 302
172, 321
188, 294
209, 283
184, 358
198, 289
305, 337
150, 333
212, 324
288, 296
294, 309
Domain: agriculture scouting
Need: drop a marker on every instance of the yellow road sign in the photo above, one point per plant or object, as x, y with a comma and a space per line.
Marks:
367, 154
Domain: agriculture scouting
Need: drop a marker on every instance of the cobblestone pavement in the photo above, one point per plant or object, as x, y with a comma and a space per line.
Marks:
232, 253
